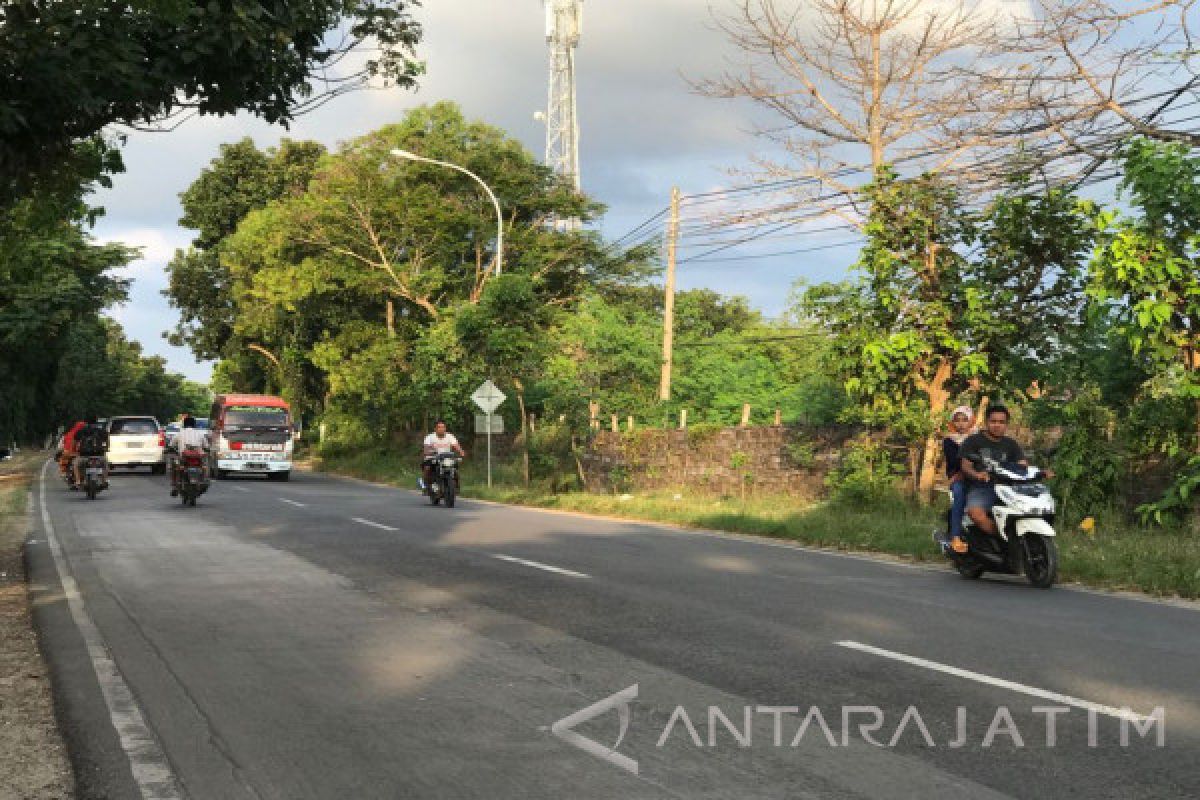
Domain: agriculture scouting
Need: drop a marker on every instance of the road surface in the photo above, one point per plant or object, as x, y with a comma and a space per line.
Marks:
328, 638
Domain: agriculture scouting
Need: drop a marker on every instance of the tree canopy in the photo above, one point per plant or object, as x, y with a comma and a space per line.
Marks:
70, 70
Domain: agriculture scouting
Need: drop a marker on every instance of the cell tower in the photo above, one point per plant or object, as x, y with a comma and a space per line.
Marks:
564, 25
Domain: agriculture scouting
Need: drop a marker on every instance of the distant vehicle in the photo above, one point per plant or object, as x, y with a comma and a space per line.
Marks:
251, 434
173, 428
137, 442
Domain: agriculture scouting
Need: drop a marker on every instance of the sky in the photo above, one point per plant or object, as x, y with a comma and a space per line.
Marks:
643, 130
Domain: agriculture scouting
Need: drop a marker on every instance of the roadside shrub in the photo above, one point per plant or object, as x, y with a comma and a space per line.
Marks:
1087, 461
866, 474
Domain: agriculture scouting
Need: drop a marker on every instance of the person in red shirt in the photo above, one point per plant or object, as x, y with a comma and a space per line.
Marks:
69, 449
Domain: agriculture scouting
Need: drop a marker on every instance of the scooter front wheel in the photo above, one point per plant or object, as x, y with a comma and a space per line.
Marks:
1041, 560
969, 568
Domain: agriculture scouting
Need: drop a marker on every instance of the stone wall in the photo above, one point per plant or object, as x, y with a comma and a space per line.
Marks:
775, 460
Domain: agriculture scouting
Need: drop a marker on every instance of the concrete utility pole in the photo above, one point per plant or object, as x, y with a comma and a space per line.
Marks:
564, 26
664, 387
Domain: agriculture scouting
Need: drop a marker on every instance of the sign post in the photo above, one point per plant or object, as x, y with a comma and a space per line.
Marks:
488, 397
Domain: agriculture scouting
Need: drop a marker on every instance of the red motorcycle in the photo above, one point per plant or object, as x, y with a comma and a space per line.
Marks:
192, 475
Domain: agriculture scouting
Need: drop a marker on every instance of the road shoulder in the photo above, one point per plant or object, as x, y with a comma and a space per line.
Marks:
32, 748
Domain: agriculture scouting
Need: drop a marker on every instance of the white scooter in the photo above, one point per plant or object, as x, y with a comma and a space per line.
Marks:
1024, 543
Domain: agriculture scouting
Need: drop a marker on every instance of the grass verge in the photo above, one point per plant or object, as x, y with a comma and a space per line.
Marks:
31, 747
1117, 555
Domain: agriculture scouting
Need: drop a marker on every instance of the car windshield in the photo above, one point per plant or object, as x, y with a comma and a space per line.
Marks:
256, 417
140, 426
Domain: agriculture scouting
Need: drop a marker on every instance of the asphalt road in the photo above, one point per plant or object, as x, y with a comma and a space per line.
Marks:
328, 638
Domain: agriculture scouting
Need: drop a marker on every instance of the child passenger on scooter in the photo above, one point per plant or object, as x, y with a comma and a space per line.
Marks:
961, 424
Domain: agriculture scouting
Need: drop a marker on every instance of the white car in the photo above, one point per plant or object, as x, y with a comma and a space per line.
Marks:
137, 442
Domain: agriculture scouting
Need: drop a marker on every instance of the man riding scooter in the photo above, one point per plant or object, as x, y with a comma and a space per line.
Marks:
440, 441
189, 438
91, 441
991, 446
66, 460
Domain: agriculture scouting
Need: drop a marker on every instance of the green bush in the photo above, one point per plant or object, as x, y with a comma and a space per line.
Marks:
866, 474
1087, 462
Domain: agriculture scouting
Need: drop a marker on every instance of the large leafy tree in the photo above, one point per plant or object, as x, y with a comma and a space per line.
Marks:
53, 276
1148, 270
59, 358
70, 70
241, 179
945, 295
374, 243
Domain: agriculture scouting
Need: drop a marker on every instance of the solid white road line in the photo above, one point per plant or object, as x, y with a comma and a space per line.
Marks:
292, 502
538, 565
150, 768
239, 488
1066, 700
379, 525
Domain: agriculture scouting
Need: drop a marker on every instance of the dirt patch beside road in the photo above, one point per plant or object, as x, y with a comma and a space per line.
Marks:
32, 753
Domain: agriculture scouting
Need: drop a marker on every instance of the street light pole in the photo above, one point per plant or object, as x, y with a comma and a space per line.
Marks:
398, 153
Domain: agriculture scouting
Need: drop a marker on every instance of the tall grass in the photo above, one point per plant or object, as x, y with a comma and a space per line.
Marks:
1118, 555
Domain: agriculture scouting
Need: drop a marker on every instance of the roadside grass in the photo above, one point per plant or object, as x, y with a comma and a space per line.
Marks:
31, 747
1117, 555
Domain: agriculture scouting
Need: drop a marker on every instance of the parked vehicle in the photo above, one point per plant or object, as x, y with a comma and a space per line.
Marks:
444, 485
93, 476
192, 466
251, 434
1025, 540
137, 442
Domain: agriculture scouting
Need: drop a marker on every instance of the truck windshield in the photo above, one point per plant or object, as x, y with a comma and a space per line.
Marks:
255, 417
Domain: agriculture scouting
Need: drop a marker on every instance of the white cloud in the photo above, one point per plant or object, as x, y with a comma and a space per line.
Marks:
157, 245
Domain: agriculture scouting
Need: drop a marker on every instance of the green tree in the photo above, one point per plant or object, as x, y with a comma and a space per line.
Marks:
241, 179
73, 69
1147, 274
1148, 269
944, 295
374, 243
53, 277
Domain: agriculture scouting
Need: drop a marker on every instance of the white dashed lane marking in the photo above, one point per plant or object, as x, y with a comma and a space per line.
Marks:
539, 565
379, 525
1066, 700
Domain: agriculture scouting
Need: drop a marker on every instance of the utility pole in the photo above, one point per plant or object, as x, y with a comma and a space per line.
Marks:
664, 388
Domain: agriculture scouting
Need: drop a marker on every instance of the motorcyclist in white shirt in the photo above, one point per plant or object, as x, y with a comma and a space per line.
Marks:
440, 441
189, 438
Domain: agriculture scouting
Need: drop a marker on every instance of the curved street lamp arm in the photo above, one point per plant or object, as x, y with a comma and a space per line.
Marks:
491, 195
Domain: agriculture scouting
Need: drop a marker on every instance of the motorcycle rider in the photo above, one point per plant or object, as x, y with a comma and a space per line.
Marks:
961, 422
66, 461
436, 443
189, 438
91, 440
991, 446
